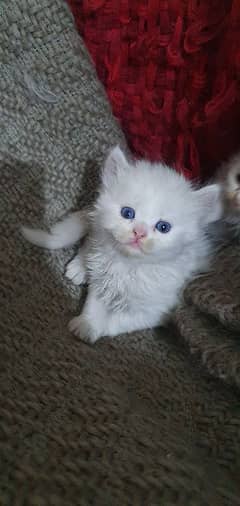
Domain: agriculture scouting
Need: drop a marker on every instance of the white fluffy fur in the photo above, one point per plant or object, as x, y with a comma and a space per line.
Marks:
62, 235
135, 288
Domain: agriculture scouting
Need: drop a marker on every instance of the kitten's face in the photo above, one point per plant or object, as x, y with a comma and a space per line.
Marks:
231, 185
148, 210
141, 219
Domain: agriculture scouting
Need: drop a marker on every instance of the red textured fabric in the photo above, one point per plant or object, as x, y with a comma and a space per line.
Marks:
171, 72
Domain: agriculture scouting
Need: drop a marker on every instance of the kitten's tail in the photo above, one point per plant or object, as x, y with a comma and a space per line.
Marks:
62, 234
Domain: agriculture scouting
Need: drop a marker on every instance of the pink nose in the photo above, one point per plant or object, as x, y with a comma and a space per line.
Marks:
140, 231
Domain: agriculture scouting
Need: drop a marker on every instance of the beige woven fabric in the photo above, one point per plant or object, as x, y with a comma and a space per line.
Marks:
132, 421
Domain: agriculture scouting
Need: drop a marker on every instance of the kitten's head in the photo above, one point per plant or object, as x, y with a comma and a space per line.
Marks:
150, 211
230, 178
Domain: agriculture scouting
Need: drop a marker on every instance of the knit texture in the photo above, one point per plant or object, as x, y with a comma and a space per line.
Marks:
129, 421
171, 71
209, 318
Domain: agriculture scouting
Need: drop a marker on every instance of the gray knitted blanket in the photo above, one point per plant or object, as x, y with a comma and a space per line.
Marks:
132, 421
209, 318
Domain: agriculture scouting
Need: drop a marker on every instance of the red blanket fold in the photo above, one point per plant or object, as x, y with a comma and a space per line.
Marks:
171, 72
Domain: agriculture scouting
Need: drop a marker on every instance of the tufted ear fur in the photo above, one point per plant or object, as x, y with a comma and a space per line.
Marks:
115, 163
209, 199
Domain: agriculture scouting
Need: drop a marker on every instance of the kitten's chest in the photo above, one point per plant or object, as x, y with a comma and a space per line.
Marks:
115, 283
124, 286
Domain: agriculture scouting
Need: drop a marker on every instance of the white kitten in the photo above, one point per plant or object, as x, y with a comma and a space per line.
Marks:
146, 239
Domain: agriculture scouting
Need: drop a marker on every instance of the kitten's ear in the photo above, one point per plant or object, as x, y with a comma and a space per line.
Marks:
114, 164
209, 199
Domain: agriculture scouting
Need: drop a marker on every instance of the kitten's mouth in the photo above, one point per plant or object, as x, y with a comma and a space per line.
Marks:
135, 243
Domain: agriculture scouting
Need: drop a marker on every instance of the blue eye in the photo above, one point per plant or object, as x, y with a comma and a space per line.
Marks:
128, 213
163, 226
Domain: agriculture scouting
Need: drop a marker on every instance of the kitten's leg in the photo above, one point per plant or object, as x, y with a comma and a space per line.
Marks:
95, 321
122, 323
90, 324
75, 270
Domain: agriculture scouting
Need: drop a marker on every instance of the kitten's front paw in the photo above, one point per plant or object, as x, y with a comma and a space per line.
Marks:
75, 272
83, 329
